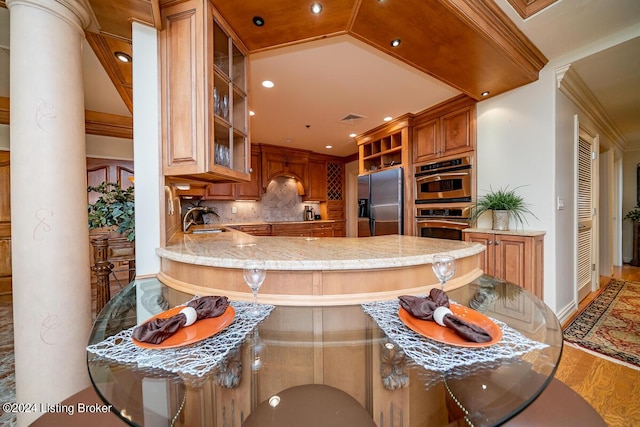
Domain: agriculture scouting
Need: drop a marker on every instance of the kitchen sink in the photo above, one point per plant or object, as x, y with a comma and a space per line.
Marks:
209, 230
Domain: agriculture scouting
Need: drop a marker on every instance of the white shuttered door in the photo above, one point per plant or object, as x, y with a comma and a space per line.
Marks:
585, 217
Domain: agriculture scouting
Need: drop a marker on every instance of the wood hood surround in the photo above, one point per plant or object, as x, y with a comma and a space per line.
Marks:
469, 44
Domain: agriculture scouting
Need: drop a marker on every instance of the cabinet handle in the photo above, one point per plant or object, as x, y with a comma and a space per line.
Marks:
490, 242
497, 242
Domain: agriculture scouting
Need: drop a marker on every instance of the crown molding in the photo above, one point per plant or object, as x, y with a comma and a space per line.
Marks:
528, 8
571, 84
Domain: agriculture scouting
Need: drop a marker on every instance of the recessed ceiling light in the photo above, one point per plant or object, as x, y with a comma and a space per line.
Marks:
258, 21
316, 8
388, 119
268, 84
274, 401
485, 93
252, 113
328, 146
395, 42
352, 135
122, 56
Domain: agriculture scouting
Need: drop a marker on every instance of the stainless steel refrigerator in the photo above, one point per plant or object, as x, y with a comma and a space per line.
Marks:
380, 203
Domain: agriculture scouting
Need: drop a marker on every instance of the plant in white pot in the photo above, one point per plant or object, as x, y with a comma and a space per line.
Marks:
504, 205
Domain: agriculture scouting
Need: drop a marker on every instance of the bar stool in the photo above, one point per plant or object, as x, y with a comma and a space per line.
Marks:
557, 405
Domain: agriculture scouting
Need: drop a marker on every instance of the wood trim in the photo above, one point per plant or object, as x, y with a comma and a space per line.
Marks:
96, 123
105, 124
4, 110
491, 22
527, 8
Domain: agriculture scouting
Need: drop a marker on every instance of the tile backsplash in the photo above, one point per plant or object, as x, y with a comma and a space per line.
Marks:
280, 202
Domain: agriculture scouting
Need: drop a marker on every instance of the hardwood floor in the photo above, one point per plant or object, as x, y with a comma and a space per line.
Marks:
611, 388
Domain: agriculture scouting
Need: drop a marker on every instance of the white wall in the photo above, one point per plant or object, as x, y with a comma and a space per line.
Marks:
566, 221
515, 147
629, 200
147, 153
106, 147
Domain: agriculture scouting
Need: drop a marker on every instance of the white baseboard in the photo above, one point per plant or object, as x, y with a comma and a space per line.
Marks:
565, 313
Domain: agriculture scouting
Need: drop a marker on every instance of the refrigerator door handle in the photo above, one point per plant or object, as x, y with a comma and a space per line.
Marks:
372, 226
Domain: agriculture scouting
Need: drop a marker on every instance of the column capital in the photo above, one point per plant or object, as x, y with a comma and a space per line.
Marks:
77, 13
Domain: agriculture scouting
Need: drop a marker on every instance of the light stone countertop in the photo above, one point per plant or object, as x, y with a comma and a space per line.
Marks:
524, 233
233, 249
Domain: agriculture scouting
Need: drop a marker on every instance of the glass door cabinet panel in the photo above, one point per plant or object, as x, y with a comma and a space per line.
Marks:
204, 91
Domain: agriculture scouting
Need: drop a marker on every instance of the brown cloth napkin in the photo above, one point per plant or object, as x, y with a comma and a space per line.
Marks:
157, 330
423, 308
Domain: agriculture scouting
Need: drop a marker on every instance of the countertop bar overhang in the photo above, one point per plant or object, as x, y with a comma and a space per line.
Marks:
312, 270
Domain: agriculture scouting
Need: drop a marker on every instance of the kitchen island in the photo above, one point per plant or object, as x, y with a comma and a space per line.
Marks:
311, 270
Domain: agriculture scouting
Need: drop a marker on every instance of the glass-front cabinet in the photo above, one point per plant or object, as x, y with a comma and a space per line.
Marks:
204, 89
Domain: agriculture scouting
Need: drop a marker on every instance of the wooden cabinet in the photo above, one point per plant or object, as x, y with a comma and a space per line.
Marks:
255, 229
323, 229
204, 95
251, 190
317, 188
303, 229
292, 229
278, 161
517, 257
339, 228
445, 130
384, 146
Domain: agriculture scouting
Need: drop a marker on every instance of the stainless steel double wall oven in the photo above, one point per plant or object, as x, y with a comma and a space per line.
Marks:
443, 192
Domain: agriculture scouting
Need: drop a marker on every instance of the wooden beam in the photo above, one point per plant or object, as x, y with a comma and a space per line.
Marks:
96, 123
105, 124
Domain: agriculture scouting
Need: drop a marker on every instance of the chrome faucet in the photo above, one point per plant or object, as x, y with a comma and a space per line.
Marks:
186, 222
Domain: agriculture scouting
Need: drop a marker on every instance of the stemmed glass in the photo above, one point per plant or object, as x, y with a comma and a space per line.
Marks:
254, 274
444, 266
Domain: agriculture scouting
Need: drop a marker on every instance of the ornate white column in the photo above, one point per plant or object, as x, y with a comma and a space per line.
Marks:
50, 246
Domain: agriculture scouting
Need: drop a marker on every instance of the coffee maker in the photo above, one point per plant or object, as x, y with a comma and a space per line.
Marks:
308, 213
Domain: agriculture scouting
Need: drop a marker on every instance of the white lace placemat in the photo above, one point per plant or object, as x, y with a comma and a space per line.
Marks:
196, 359
435, 356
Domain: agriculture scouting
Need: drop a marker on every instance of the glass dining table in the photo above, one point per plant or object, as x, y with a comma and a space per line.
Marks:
351, 365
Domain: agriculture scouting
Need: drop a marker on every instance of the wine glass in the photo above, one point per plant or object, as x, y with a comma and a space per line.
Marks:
444, 266
254, 274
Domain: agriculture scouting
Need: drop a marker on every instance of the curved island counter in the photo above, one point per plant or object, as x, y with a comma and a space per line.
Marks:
311, 270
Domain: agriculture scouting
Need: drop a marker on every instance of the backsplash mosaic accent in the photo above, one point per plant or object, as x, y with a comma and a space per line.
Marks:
281, 202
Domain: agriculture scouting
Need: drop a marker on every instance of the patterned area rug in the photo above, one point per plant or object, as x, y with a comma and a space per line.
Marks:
610, 325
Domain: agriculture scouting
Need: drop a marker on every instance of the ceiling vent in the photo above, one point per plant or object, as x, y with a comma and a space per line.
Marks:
351, 118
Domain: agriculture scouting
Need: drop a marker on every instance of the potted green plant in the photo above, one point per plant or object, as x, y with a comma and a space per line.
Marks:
504, 204
113, 209
633, 215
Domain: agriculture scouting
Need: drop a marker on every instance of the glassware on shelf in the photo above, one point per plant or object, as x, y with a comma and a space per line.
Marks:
254, 274
224, 107
216, 102
444, 267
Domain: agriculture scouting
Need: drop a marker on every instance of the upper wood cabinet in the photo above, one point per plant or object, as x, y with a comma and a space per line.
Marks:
385, 146
444, 130
203, 66
277, 161
251, 190
317, 190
